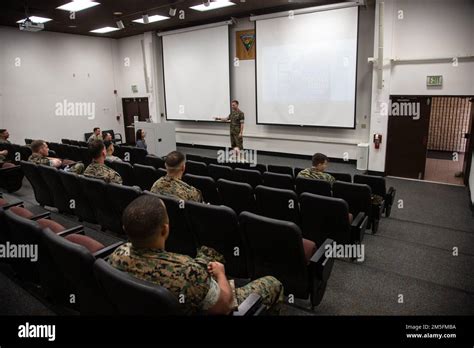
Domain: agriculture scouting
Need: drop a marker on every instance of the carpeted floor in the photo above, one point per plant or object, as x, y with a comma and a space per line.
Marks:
411, 256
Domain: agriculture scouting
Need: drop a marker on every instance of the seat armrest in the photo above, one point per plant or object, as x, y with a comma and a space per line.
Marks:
107, 250
16, 204
250, 306
358, 219
390, 196
320, 264
46, 215
77, 229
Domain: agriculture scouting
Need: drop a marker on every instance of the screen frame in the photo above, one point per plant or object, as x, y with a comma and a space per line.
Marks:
164, 82
309, 125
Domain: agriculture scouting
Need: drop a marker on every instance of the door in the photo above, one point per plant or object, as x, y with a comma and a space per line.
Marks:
133, 107
469, 145
407, 136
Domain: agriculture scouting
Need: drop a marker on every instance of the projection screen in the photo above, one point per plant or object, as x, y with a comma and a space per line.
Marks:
306, 69
196, 74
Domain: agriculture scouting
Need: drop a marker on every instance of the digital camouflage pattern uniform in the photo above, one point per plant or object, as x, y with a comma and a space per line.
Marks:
101, 171
37, 158
312, 173
236, 118
175, 187
94, 137
188, 278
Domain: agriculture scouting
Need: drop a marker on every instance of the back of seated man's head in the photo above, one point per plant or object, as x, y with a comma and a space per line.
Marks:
174, 162
96, 130
3, 133
320, 161
40, 147
96, 149
145, 221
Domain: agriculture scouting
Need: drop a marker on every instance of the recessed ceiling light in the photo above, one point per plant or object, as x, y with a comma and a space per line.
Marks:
104, 30
35, 19
214, 5
78, 5
151, 19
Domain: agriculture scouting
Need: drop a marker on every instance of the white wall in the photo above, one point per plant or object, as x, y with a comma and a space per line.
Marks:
292, 140
421, 43
54, 67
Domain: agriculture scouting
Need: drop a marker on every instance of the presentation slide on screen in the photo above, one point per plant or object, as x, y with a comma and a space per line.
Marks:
306, 69
196, 73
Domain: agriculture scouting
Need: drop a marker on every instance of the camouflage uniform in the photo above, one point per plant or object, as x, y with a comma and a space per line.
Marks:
101, 171
312, 173
188, 278
36, 158
236, 119
170, 186
94, 137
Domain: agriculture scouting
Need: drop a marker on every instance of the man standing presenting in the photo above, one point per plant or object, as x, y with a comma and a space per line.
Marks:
236, 119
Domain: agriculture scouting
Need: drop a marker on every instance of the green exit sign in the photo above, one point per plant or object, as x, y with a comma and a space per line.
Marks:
436, 81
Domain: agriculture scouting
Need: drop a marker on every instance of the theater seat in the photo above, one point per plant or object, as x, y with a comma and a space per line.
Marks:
206, 185
236, 195
314, 186
220, 172
281, 181
196, 168
277, 203
251, 177
285, 259
90, 244
41, 190
52, 225
309, 248
280, 169
377, 185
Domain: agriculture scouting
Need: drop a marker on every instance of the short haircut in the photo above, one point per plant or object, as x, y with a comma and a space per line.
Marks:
174, 160
235, 101
37, 145
96, 128
107, 144
142, 218
319, 158
95, 148
2, 131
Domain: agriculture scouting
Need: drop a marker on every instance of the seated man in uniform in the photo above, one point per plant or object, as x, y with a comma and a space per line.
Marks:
96, 135
109, 147
171, 184
40, 151
202, 280
320, 163
3, 140
97, 169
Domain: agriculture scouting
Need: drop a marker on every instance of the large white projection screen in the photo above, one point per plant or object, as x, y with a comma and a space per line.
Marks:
196, 74
306, 69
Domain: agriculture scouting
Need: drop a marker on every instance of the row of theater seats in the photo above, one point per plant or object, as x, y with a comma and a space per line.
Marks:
195, 224
11, 177
71, 264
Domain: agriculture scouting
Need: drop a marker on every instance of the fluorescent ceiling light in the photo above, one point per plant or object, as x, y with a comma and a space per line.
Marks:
104, 30
78, 5
35, 19
213, 5
151, 19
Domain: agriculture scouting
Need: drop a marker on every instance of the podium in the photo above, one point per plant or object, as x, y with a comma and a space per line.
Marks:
160, 137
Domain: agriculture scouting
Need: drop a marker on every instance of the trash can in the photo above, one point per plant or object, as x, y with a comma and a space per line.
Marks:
363, 156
